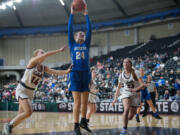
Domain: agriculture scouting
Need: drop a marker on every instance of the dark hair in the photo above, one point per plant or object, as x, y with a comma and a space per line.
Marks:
134, 74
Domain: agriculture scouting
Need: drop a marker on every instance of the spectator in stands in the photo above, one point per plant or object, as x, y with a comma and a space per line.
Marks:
161, 82
157, 73
177, 85
172, 76
177, 96
166, 95
64, 98
166, 74
167, 85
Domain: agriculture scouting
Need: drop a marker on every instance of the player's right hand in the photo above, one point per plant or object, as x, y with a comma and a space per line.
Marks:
63, 48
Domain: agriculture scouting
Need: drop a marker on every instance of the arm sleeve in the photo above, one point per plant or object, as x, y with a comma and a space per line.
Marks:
70, 31
89, 29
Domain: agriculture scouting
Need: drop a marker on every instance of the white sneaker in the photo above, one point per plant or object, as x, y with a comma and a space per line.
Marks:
6, 130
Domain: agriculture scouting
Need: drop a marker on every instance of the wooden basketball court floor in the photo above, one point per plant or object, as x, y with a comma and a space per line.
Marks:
44, 123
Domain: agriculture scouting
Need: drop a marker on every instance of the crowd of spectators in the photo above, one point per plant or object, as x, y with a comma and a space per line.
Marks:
51, 89
55, 88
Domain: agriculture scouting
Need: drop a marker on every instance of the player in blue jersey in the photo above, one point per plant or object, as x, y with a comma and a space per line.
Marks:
145, 96
79, 44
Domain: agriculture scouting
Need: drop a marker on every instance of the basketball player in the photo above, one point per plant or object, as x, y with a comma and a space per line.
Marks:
92, 97
79, 45
151, 87
145, 96
130, 84
30, 80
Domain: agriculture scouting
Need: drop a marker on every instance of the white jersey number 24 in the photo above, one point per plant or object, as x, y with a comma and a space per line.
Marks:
80, 55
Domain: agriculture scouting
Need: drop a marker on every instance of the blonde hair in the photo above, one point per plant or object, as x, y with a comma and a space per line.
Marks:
36, 52
132, 70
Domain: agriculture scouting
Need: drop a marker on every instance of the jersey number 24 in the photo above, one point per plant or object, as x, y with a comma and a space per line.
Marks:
80, 55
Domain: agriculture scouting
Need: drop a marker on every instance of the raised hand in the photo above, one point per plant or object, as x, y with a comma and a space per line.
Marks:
85, 12
63, 48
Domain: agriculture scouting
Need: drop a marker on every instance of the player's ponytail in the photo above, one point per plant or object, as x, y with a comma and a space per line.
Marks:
134, 75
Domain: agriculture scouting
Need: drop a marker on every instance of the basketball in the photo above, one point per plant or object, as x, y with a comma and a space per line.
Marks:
78, 5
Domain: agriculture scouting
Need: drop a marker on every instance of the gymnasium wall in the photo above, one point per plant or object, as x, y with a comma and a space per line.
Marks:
18, 50
122, 37
160, 30
99, 39
13, 51
51, 43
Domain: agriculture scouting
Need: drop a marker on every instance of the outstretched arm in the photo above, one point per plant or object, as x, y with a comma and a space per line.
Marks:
88, 25
33, 62
140, 87
57, 72
70, 28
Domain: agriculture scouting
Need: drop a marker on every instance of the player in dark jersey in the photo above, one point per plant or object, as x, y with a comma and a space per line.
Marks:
79, 45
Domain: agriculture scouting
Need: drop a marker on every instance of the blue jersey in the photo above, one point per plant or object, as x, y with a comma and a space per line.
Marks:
177, 86
79, 52
145, 95
144, 78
